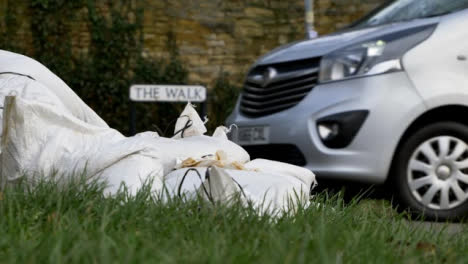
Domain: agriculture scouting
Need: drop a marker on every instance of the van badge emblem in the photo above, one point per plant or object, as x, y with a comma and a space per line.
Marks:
268, 76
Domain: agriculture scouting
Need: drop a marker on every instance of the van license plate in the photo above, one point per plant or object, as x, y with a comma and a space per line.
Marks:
253, 135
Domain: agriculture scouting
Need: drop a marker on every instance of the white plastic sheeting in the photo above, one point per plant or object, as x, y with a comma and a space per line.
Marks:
49, 133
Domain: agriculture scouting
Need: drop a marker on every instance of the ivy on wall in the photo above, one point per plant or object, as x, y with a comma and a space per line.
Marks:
9, 28
222, 101
114, 59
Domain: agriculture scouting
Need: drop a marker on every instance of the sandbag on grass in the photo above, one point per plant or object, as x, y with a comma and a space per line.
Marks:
38, 141
48, 131
25, 87
267, 192
25, 66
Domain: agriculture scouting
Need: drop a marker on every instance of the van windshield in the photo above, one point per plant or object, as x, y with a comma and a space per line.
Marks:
404, 10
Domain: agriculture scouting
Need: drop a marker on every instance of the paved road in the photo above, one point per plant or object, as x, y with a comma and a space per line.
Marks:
452, 228
372, 193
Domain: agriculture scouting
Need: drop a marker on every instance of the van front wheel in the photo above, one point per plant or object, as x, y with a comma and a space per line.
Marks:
431, 171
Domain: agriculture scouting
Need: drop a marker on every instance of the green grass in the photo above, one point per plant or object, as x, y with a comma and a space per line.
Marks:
77, 224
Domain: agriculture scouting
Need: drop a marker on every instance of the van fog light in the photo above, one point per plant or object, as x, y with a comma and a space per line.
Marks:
328, 131
338, 130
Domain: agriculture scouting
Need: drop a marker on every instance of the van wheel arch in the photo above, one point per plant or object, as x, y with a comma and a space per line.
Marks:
454, 113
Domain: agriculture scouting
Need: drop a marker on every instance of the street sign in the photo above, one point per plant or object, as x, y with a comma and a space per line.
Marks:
149, 93
167, 93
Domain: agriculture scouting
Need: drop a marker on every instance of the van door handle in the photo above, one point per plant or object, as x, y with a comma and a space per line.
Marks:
461, 57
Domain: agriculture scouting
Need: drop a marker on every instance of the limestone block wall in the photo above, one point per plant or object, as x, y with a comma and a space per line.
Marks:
331, 15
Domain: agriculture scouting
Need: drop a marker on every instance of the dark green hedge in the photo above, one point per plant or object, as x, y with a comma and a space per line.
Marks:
113, 62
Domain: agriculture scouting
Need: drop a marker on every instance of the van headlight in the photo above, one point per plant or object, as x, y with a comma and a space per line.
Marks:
372, 57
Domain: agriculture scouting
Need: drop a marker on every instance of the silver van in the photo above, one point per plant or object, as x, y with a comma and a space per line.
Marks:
384, 100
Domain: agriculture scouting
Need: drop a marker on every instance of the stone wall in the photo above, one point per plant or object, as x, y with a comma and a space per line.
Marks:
331, 15
221, 35
20, 31
213, 36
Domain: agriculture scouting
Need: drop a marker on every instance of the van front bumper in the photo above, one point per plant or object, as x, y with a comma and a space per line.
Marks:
391, 104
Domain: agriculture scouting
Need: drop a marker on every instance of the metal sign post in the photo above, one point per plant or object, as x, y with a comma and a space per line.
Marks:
146, 93
309, 19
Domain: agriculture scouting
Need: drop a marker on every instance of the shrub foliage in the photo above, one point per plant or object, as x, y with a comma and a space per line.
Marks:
114, 61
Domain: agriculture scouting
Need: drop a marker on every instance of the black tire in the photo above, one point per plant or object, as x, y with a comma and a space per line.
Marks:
399, 172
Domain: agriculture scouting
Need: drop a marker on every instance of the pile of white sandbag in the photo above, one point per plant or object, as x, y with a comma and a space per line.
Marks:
43, 136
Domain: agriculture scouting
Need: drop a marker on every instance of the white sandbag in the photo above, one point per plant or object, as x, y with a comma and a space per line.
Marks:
190, 129
12, 62
213, 184
221, 132
199, 146
219, 160
267, 192
148, 135
269, 166
134, 172
48, 130
189, 124
193, 144
26, 88
183, 183
220, 187
40, 140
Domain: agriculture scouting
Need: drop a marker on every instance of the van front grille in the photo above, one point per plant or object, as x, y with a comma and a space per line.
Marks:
273, 88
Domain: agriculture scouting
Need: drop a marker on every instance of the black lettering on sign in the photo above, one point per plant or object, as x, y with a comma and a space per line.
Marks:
156, 92
193, 94
171, 93
181, 95
139, 90
197, 95
168, 93
148, 92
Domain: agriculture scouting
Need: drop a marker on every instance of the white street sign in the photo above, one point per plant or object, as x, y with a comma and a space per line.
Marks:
167, 93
